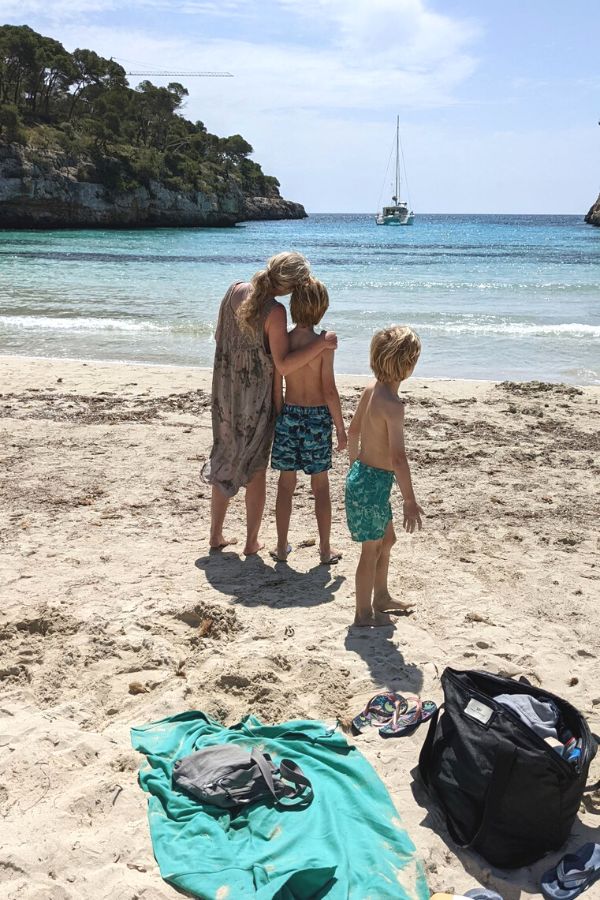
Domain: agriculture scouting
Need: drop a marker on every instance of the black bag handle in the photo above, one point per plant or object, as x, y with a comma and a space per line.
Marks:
502, 767
426, 749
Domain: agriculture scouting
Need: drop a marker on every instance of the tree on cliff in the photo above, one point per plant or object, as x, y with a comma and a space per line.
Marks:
82, 103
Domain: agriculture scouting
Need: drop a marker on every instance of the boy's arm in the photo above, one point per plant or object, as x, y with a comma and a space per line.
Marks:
394, 416
355, 428
277, 391
332, 398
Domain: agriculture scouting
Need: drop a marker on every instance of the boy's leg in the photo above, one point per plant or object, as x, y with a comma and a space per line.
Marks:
283, 512
364, 583
320, 489
218, 507
382, 602
256, 491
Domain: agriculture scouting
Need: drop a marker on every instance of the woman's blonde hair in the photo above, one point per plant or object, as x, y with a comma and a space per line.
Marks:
284, 271
309, 302
394, 353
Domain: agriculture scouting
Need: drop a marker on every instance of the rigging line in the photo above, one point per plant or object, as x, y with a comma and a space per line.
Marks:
386, 175
405, 175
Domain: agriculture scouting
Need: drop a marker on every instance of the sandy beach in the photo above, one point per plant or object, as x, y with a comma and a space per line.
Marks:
113, 613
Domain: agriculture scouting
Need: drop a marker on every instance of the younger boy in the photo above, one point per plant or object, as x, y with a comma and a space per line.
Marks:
304, 424
378, 425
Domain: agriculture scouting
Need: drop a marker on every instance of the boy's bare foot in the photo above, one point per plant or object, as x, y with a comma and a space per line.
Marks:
383, 603
279, 554
252, 549
220, 542
330, 557
376, 620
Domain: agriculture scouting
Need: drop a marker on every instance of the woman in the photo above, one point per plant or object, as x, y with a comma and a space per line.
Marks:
251, 339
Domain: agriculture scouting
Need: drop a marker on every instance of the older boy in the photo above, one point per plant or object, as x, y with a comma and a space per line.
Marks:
378, 425
303, 430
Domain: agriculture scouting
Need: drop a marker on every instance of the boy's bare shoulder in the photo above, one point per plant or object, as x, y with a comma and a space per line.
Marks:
387, 404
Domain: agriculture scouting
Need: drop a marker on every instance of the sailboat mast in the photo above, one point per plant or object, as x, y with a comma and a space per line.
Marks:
397, 159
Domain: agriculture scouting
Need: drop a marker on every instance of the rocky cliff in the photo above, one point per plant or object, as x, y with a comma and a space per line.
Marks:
593, 216
48, 189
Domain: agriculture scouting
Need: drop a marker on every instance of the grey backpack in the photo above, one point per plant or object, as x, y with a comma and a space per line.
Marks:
231, 777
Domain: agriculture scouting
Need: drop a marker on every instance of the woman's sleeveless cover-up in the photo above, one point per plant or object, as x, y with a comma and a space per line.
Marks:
243, 416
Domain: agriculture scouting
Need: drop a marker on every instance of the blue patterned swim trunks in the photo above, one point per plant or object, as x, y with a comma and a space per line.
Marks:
302, 440
368, 508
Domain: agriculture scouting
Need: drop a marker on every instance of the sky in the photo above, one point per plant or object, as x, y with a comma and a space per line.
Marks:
499, 101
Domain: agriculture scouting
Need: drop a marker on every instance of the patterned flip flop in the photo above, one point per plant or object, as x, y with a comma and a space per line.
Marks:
379, 710
403, 723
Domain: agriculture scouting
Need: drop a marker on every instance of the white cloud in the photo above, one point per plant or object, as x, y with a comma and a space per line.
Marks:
319, 105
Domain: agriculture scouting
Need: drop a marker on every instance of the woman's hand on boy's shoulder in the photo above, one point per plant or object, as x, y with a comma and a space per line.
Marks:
330, 340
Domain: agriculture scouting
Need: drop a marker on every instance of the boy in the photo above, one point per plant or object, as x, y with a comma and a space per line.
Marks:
304, 424
379, 426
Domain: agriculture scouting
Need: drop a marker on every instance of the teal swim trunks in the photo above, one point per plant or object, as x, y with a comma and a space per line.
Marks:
368, 508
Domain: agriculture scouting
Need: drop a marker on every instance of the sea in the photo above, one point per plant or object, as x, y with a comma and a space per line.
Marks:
492, 297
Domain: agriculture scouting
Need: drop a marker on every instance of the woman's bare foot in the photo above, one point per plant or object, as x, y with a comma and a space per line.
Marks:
219, 542
383, 603
280, 554
329, 556
252, 549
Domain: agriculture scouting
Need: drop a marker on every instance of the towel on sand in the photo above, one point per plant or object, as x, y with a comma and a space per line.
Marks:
349, 843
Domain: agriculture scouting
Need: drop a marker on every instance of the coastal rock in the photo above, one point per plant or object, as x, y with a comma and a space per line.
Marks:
47, 189
593, 216
266, 208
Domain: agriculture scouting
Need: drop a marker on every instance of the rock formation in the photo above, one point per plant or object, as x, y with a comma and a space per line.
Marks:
48, 189
593, 216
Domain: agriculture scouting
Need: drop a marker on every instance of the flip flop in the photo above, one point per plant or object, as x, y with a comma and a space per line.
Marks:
333, 559
573, 875
378, 710
481, 893
274, 555
403, 723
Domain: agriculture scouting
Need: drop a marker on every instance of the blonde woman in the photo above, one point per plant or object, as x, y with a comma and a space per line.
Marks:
251, 341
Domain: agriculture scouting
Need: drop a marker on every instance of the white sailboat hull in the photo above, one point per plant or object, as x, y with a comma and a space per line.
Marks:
406, 219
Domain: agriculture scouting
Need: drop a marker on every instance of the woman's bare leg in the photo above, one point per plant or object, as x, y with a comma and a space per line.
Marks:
283, 512
256, 491
218, 508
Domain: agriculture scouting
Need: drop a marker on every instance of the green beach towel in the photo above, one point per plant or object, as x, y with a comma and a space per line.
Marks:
349, 843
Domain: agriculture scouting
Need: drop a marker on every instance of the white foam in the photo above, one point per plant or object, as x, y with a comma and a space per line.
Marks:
521, 329
66, 323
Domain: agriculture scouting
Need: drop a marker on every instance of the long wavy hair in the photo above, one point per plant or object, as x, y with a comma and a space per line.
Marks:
283, 273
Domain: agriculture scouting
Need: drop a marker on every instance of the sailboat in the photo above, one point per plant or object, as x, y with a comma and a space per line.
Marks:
398, 213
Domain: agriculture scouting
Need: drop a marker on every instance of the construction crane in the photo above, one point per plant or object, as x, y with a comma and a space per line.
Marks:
184, 74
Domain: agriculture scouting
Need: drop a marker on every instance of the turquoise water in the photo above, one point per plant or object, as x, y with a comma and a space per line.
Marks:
491, 296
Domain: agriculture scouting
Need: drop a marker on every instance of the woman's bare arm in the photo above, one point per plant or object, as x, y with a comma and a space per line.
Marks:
285, 361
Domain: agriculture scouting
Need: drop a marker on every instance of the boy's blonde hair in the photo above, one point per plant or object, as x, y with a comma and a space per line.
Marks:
394, 353
309, 302
284, 271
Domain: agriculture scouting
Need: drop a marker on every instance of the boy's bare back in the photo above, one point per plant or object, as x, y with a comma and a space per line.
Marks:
304, 387
380, 416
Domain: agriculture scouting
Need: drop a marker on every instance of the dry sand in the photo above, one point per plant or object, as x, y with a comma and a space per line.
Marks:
113, 613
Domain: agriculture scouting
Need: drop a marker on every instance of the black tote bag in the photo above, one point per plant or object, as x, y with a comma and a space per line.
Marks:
505, 792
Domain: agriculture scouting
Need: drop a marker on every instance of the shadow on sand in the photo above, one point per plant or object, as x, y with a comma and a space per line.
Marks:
251, 581
388, 668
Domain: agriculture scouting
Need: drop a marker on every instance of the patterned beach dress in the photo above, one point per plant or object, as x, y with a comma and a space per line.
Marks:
243, 415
